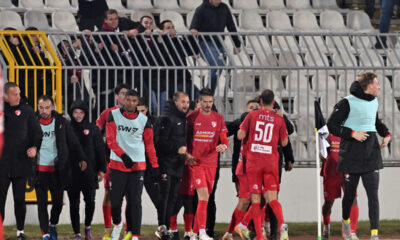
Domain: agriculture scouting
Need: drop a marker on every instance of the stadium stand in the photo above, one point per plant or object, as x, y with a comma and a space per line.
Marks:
36, 19
10, 19
64, 21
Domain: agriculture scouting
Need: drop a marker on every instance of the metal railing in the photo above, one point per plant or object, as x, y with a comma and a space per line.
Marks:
299, 67
32, 63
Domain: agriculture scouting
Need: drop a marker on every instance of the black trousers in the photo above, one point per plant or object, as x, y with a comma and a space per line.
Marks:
152, 189
212, 207
130, 184
18, 187
371, 184
169, 188
74, 195
48, 181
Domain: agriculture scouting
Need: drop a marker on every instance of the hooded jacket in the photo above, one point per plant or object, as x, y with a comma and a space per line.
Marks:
355, 156
169, 136
69, 150
92, 143
21, 131
208, 18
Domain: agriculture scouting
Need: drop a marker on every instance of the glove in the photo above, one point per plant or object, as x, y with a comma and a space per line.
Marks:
234, 178
127, 161
155, 175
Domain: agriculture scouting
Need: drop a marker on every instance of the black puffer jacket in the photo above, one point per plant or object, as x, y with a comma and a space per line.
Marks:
93, 145
355, 156
21, 131
69, 150
169, 136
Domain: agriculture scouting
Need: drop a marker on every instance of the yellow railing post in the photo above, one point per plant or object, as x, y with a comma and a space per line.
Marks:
28, 63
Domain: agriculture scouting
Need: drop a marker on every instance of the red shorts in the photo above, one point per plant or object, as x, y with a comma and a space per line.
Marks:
185, 188
262, 179
333, 188
203, 177
243, 187
107, 184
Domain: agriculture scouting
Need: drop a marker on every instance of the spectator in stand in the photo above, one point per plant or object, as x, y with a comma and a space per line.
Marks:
91, 14
384, 23
177, 49
213, 16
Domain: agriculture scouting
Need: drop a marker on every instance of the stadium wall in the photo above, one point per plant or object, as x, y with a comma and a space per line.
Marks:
298, 198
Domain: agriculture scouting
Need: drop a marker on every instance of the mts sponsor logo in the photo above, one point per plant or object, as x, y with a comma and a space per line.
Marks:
123, 128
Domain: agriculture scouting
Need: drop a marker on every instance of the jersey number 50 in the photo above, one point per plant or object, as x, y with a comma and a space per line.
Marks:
263, 132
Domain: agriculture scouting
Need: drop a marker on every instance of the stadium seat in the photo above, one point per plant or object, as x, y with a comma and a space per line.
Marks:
10, 19
322, 83
290, 60
306, 21
117, 5
298, 4
6, 4
393, 59
272, 5
333, 21
251, 20
189, 4
305, 122
137, 15
60, 5
32, 4
360, 22
279, 21
245, 4
74, 3
386, 102
64, 21
325, 4
139, 4
36, 19
167, 4
371, 58
316, 60
258, 43
339, 43
176, 18
297, 83
272, 80
344, 59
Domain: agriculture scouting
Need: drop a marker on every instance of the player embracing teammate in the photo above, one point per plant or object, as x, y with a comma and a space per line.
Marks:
261, 132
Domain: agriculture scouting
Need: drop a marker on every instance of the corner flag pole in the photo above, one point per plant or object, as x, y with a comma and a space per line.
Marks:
317, 167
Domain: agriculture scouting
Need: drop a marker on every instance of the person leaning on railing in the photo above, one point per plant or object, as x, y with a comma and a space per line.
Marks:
213, 16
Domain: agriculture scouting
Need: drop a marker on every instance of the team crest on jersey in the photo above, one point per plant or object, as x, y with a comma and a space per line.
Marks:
86, 132
17, 112
198, 181
255, 187
213, 124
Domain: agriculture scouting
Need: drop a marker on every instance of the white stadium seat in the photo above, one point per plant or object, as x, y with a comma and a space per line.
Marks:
298, 4
189, 4
139, 4
10, 19
31, 4
62, 5
64, 21
333, 21
245, 4
272, 5
36, 19
117, 5
167, 4
251, 20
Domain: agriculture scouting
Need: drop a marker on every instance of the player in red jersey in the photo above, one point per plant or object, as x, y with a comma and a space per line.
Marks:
263, 130
204, 129
119, 92
333, 184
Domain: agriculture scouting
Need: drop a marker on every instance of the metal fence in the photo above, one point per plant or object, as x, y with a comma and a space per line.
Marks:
299, 67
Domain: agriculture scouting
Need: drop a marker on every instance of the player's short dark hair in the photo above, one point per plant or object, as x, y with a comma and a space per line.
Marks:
252, 101
192, 105
205, 92
110, 12
119, 87
162, 24
132, 93
143, 102
46, 98
267, 96
178, 94
145, 16
9, 85
366, 79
